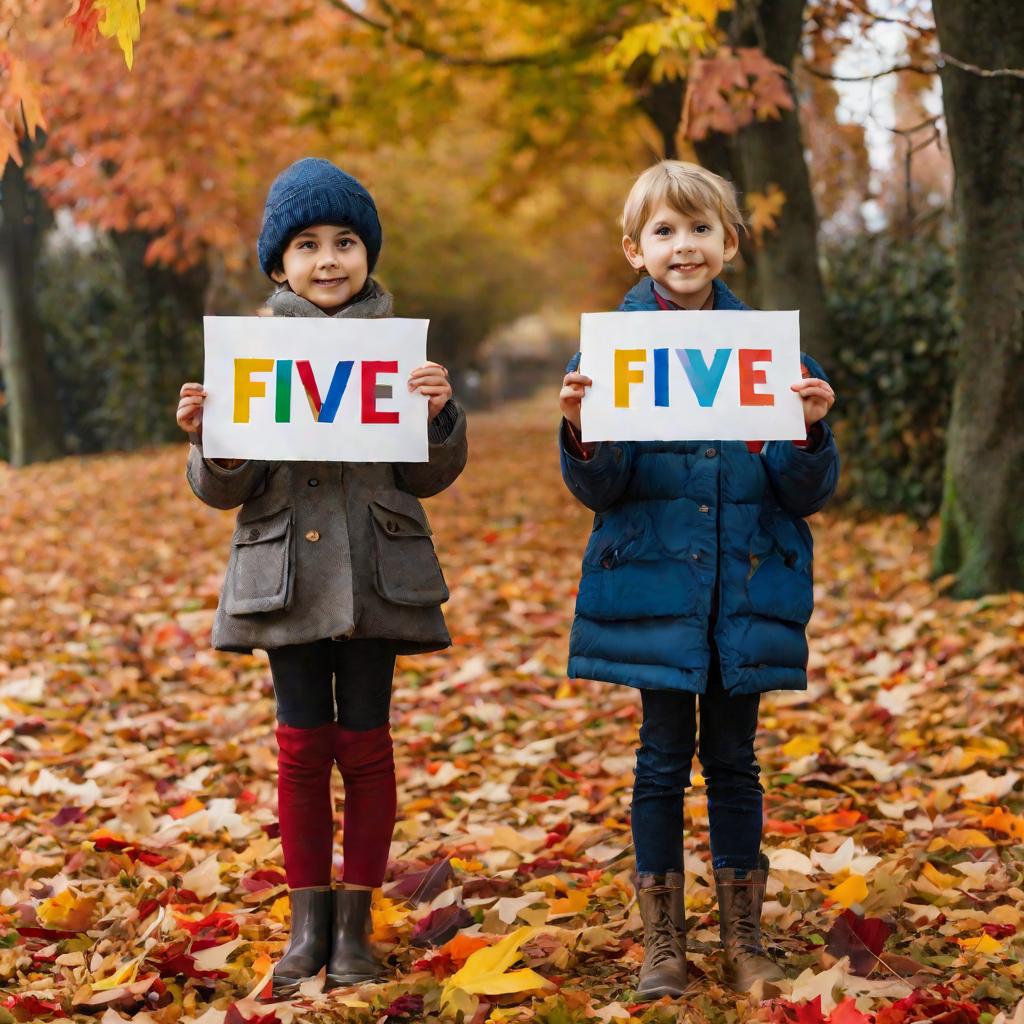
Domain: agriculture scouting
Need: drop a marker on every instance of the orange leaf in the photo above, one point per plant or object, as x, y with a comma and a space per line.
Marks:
765, 209
190, 806
834, 822
462, 947
1001, 820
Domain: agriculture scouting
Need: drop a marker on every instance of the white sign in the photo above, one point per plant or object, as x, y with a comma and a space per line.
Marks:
312, 390
668, 376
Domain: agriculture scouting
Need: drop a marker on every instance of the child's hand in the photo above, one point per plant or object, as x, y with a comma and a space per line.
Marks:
190, 408
431, 379
574, 387
818, 397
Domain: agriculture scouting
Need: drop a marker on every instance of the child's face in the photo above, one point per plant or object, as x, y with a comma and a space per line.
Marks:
326, 264
683, 254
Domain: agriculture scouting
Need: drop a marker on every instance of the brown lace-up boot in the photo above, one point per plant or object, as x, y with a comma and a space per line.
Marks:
663, 971
739, 916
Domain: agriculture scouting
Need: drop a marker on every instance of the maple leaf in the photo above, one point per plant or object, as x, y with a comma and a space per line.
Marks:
486, 972
123, 19
85, 18
764, 209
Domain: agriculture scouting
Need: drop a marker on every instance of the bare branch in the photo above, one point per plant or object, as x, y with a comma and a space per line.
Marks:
921, 69
945, 58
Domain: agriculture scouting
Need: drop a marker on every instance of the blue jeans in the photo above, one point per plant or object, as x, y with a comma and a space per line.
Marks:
668, 740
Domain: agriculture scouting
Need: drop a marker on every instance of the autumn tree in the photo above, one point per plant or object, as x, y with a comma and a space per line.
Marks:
982, 76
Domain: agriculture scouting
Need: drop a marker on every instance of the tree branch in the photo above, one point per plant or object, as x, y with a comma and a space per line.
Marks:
945, 58
922, 69
544, 58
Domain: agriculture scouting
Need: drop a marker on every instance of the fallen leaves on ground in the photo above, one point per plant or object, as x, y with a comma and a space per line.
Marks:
141, 865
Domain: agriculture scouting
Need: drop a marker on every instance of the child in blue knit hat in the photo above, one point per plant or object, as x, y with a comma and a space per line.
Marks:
333, 573
696, 588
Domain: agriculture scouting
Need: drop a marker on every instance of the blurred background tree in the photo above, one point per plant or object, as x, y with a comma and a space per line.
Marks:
500, 138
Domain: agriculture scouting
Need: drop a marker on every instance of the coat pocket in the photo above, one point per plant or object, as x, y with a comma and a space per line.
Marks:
407, 571
260, 573
780, 582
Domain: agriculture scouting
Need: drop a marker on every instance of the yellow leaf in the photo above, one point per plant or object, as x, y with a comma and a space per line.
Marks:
122, 18
66, 911
466, 865
983, 943
387, 915
853, 890
124, 976
936, 877
279, 910
983, 748
484, 973
574, 903
801, 746
765, 208
963, 838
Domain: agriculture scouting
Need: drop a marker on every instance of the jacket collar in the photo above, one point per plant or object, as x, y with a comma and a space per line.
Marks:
641, 297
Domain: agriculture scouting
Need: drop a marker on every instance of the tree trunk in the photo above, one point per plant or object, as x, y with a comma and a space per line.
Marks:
169, 305
982, 540
33, 411
788, 275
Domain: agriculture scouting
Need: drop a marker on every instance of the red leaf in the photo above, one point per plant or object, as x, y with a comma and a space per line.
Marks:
85, 19
859, 938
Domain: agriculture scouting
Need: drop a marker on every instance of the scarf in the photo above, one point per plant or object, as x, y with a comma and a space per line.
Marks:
372, 303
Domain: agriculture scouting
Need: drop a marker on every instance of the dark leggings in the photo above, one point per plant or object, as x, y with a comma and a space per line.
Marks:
343, 681
668, 741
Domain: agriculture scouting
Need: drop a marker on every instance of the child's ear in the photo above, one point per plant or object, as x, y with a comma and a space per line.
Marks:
732, 242
633, 254
278, 276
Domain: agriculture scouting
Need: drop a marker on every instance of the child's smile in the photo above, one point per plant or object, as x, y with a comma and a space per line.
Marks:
682, 253
325, 264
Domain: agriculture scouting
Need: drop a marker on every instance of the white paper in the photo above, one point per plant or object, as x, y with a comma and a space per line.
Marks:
684, 418
339, 435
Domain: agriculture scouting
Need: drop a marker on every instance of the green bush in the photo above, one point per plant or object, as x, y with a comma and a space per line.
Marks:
118, 354
894, 345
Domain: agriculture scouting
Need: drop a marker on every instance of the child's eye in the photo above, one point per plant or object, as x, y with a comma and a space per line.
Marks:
307, 244
702, 229
344, 243
664, 229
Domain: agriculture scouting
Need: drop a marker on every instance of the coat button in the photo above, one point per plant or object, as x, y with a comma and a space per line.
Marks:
313, 481
790, 559
392, 526
704, 508
312, 536
254, 535
695, 556
710, 453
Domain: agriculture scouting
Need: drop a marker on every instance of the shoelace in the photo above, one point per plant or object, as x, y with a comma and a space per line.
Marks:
746, 931
663, 946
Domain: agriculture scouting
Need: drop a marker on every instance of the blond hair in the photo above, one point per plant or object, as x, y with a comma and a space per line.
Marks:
687, 188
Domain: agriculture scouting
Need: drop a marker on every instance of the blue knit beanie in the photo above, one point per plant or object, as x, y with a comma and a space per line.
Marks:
310, 192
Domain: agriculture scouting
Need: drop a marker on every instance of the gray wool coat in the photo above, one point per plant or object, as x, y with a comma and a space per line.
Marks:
332, 549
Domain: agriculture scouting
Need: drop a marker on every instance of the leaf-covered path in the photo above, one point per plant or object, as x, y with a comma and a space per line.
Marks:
140, 873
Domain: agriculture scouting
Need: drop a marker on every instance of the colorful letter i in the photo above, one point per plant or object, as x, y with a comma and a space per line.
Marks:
661, 376
283, 403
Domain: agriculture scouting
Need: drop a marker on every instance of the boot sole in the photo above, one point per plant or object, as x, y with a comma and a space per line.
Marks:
286, 989
657, 993
348, 980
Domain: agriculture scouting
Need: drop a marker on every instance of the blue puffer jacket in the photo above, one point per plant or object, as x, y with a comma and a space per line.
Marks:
694, 540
